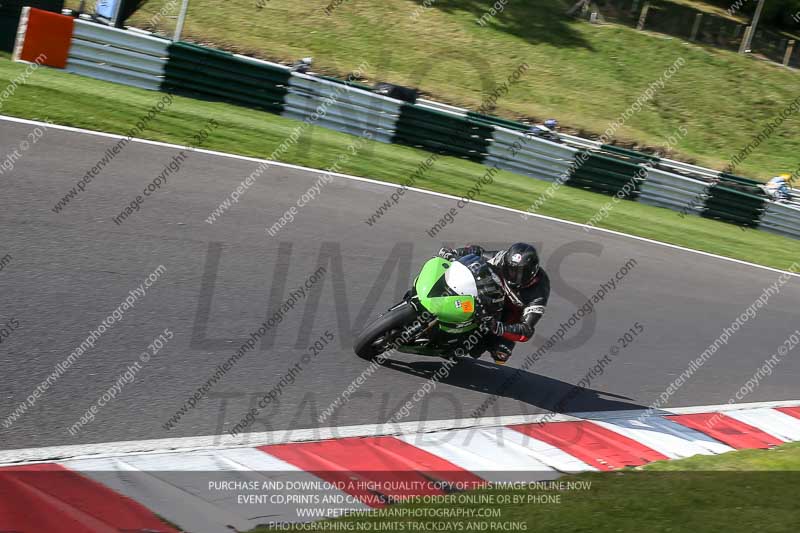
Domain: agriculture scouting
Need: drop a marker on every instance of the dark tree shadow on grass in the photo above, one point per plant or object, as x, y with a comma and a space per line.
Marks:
540, 21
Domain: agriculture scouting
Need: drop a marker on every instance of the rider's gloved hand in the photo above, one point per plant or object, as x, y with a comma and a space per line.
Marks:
472, 249
494, 326
448, 253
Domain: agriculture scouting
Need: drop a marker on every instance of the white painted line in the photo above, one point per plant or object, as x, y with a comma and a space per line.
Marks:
775, 423
259, 439
110, 449
393, 185
228, 460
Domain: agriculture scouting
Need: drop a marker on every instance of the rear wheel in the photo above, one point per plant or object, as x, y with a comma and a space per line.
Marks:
378, 336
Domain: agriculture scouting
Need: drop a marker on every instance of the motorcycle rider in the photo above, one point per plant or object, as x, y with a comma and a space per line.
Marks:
526, 287
778, 188
546, 130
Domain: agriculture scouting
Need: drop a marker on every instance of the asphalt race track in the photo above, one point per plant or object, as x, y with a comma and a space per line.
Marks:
68, 271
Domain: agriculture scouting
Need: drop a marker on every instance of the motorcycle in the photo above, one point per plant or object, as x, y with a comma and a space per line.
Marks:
443, 315
545, 132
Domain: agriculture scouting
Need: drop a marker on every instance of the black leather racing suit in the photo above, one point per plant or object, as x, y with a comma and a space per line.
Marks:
522, 308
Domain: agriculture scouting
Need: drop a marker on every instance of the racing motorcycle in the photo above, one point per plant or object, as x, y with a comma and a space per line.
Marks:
443, 315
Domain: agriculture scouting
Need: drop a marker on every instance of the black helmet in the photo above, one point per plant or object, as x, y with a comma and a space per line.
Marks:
520, 265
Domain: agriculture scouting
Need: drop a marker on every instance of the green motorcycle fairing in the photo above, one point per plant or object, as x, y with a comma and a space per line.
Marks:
455, 313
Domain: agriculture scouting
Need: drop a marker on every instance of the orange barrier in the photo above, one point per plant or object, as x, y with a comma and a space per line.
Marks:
43, 37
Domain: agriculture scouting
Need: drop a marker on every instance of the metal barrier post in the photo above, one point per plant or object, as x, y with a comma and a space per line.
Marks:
788, 55
181, 20
696, 27
745, 40
643, 16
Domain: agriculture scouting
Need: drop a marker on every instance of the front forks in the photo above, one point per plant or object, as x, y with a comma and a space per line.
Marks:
419, 326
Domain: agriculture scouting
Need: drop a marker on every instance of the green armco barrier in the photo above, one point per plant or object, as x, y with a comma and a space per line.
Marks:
441, 118
219, 63
725, 176
602, 173
443, 133
632, 154
731, 216
734, 206
198, 71
741, 184
203, 72
497, 121
458, 134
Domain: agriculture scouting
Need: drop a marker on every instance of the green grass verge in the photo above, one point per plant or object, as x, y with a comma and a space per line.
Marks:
736, 492
585, 75
83, 102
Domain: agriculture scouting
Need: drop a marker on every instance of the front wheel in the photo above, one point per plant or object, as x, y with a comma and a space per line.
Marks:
377, 337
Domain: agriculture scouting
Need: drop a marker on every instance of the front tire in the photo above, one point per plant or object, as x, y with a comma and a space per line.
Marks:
378, 335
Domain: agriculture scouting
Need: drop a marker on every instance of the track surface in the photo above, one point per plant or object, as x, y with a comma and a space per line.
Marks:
70, 270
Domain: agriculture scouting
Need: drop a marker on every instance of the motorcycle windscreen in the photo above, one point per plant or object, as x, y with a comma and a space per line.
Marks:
461, 279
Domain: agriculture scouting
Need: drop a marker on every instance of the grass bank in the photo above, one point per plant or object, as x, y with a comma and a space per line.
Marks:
585, 75
83, 102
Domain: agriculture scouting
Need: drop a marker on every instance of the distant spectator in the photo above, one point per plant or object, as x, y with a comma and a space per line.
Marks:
302, 66
778, 189
546, 130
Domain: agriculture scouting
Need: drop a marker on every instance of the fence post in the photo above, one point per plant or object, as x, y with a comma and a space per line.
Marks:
643, 16
181, 19
696, 27
788, 55
745, 40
